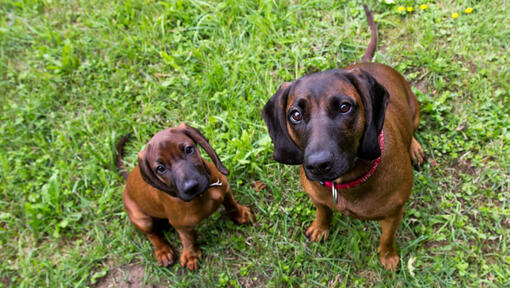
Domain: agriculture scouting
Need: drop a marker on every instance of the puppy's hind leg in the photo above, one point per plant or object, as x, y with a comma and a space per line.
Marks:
238, 213
147, 224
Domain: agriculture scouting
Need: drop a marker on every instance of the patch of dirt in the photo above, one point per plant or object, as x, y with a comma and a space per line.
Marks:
464, 166
468, 63
421, 85
5, 281
371, 276
253, 280
126, 276
435, 244
506, 223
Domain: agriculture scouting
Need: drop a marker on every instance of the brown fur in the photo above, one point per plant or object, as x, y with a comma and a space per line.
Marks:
345, 136
146, 204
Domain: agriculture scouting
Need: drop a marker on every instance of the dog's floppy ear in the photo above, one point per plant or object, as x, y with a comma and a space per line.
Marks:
375, 100
148, 175
275, 116
194, 134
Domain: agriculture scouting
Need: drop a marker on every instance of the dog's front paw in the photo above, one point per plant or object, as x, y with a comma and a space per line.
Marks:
389, 258
317, 232
165, 256
189, 258
243, 215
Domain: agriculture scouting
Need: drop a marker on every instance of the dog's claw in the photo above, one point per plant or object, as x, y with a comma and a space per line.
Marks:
389, 258
189, 259
317, 232
417, 154
165, 256
243, 215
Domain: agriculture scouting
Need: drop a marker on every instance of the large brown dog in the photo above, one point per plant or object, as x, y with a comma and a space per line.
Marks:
352, 132
172, 181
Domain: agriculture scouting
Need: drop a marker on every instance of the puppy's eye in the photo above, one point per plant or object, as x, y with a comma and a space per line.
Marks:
160, 169
345, 107
296, 116
189, 150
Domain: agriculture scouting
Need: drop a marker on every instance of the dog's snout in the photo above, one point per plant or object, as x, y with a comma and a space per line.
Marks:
190, 186
319, 162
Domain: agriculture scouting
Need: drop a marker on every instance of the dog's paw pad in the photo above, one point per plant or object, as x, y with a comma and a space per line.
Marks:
165, 256
243, 215
189, 259
317, 232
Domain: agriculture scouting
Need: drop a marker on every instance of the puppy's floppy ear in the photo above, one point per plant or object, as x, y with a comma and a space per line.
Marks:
194, 134
148, 175
275, 116
375, 100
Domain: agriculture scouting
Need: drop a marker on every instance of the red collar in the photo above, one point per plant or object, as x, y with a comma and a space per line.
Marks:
363, 178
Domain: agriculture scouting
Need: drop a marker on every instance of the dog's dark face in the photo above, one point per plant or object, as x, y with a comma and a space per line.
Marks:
326, 121
171, 162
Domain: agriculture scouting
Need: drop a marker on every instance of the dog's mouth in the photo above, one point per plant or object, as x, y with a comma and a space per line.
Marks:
338, 168
331, 176
324, 178
187, 194
189, 197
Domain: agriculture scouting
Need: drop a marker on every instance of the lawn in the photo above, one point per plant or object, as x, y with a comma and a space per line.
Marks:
77, 75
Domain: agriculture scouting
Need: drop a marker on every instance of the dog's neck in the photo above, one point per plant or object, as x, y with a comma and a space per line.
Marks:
362, 167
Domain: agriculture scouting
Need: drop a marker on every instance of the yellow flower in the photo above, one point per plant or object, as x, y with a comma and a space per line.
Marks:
468, 10
455, 15
401, 8
410, 9
423, 6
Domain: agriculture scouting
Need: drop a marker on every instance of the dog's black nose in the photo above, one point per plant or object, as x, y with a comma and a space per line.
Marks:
190, 186
319, 163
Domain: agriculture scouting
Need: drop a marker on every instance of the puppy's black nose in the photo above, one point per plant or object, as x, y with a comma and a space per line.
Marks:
319, 163
190, 186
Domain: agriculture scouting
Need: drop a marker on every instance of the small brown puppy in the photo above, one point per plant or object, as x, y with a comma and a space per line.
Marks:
172, 181
352, 132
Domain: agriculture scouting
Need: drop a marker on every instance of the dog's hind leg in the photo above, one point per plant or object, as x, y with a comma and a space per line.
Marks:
147, 225
416, 151
238, 213
417, 154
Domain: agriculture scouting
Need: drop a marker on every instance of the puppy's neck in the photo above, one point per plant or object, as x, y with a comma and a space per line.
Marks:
362, 167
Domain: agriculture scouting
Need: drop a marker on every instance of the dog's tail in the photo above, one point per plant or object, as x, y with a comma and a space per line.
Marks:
118, 159
369, 53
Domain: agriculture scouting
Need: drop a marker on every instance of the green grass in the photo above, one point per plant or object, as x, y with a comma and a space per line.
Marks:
76, 75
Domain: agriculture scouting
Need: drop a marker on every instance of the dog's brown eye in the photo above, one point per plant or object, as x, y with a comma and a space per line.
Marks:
160, 169
296, 116
345, 107
188, 150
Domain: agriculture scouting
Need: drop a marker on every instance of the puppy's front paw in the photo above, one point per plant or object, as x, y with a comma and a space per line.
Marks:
389, 258
189, 259
317, 232
165, 256
243, 215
